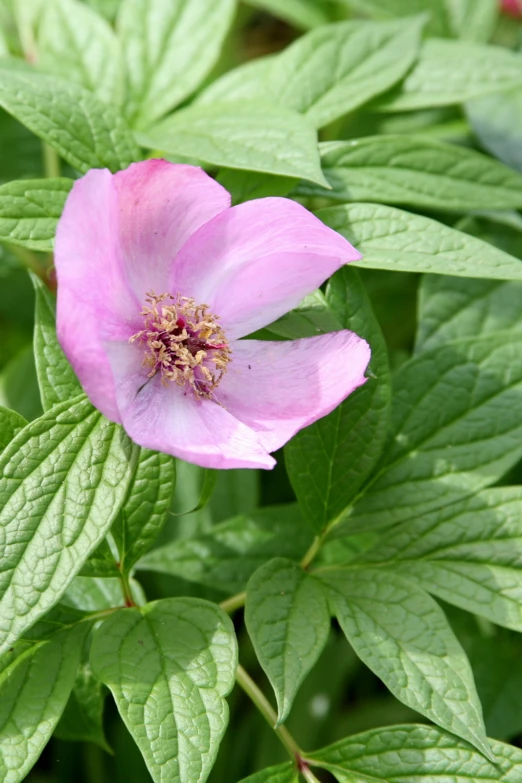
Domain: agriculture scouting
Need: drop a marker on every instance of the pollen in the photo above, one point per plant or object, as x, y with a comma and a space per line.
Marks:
184, 343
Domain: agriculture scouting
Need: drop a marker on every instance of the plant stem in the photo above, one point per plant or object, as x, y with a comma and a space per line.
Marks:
126, 588
308, 775
51, 161
312, 552
235, 602
244, 680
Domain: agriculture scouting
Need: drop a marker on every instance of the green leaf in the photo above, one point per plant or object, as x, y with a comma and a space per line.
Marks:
303, 14
312, 316
56, 378
33, 693
456, 428
103, 562
10, 425
245, 135
19, 385
416, 171
210, 478
288, 620
468, 554
328, 72
169, 667
247, 185
146, 508
421, 753
82, 720
77, 42
328, 462
84, 131
92, 594
169, 47
452, 72
497, 121
390, 238
64, 477
393, 9
473, 20
403, 636
282, 773
451, 308
227, 556
29, 211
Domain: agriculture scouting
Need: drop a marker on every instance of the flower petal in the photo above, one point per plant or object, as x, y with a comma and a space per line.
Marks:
254, 262
170, 419
160, 205
277, 388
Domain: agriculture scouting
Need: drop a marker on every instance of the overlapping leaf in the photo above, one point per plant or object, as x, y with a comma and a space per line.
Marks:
29, 211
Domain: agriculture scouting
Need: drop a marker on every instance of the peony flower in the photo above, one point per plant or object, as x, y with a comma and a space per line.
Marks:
158, 281
511, 7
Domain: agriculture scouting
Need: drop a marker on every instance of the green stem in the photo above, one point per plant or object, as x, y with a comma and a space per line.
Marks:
244, 680
308, 775
126, 588
235, 602
51, 161
312, 552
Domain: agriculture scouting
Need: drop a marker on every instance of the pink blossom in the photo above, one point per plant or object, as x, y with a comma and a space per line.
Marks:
158, 281
511, 7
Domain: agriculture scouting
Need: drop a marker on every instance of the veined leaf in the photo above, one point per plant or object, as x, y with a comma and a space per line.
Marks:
29, 211
497, 121
64, 477
390, 238
403, 636
84, 131
288, 620
282, 773
169, 667
10, 425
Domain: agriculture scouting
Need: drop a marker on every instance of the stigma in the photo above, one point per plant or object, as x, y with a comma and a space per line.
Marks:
184, 343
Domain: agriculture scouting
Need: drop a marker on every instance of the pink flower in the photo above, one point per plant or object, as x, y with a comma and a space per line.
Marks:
511, 7
158, 279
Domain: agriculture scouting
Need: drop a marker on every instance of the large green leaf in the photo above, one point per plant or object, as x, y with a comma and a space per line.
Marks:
423, 754
10, 425
29, 211
82, 129
401, 633
169, 667
82, 719
76, 42
282, 773
468, 553
56, 378
227, 556
146, 508
242, 135
451, 72
169, 47
390, 238
417, 171
456, 425
33, 693
328, 462
451, 308
288, 620
497, 121
64, 477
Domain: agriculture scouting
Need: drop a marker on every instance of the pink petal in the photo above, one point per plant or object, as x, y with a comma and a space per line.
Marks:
254, 262
277, 388
167, 419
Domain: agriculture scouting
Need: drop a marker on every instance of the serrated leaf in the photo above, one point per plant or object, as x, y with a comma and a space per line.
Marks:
468, 554
56, 378
403, 636
497, 121
393, 239
82, 720
84, 131
451, 308
29, 211
456, 428
288, 621
10, 425
416, 171
328, 462
421, 753
75, 41
64, 477
33, 693
169, 667
242, 135
452, 72
227, 556
146, 508
282, 773
169, 47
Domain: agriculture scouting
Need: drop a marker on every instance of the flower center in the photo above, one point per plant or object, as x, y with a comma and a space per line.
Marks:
184, 342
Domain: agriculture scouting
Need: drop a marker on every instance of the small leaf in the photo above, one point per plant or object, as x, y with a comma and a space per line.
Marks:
282, 773
403, 636
84, 131
390, 238
169, 667
253, 136
288, 620
29, 211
